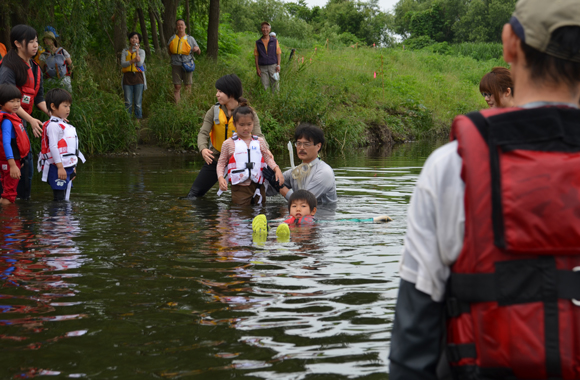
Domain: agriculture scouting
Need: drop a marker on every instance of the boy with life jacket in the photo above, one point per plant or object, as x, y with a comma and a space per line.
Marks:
14, 142
245, 155
59, 151
55, 62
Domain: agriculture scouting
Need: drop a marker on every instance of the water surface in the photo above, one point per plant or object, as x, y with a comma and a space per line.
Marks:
127, 281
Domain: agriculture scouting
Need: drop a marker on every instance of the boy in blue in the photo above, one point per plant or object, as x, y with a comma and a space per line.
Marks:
14, 143
59, 152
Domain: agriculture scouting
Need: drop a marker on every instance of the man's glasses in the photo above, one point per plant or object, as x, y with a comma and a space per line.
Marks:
486, 95
307, 144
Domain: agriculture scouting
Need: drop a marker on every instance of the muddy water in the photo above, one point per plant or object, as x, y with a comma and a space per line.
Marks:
126, 281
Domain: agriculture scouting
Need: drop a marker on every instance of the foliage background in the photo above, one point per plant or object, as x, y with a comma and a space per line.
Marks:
363, 75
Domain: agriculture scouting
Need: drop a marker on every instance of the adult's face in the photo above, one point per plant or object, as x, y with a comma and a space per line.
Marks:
266, 29
48, 42
134, 40
306, 150
28, 50
180, 27
222, 98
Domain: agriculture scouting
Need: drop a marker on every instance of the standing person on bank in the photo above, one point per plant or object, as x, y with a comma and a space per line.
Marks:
55, 62
181, 47
134, 80
218, 126
497, 88
493, 239
268, 56
19, 69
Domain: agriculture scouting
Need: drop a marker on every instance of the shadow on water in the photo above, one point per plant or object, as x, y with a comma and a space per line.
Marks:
126, 281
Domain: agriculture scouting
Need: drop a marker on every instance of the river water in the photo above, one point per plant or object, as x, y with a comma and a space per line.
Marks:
126, 281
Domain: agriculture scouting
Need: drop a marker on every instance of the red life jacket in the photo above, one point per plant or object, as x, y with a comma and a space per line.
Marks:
22, 141
511, 296
305, 220
30, 88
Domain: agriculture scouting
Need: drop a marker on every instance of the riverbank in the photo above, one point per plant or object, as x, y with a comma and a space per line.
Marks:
360, 96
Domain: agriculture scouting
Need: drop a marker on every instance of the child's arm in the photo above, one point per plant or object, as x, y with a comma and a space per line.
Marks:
269, 160
225, 155
7, 138
52, 133
14, 171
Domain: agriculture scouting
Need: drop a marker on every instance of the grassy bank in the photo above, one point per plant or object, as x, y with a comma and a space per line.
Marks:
416, 93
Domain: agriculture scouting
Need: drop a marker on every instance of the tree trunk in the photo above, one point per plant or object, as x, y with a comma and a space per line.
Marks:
162, 34
5, 26
170, 17
213, 28
154, 32
135, 19
187, 17
119, 28
144, 30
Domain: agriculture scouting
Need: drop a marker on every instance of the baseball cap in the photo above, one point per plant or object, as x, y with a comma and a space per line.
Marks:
534, 21
265, 23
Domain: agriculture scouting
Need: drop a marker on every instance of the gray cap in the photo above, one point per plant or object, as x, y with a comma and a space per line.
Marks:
534, 21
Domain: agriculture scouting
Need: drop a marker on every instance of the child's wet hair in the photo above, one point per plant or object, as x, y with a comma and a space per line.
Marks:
303, 195
243, 109
57, 96
9, 92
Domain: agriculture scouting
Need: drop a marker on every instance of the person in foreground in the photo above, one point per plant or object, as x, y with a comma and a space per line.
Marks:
244, 156
493, 238
313, 174
14, 143
59, 151
497, 88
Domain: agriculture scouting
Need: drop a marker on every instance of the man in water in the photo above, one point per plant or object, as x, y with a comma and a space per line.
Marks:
489, 271
313, 174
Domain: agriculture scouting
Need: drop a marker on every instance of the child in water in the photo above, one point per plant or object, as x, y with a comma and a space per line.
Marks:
244, 156
302, 208
14, 143
59, 152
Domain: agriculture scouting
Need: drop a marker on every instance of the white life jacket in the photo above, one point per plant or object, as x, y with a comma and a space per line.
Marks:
68, 147
246, 162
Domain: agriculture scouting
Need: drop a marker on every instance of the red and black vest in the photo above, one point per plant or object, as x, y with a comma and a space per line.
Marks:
512, 295
30, 88
270, 57
22, 146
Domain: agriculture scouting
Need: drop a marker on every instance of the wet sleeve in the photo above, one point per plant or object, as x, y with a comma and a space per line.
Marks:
322, 181
52, 132
203, 135
417, 336
435, 223
257, 130
7, 139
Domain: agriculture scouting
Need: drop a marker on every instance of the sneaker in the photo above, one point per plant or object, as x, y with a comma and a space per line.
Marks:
260, 224
283, 231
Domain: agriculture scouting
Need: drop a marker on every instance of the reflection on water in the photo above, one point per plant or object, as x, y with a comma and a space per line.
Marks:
149, 286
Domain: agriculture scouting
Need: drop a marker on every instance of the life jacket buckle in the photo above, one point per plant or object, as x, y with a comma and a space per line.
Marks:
575, 301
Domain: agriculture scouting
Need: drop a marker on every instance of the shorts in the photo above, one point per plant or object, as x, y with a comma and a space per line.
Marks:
179, 75
9, 184
244, 195
56, 183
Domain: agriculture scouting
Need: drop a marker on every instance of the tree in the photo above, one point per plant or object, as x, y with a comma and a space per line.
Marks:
213, 29
169, 17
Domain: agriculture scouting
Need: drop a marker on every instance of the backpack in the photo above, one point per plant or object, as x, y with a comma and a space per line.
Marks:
56, 65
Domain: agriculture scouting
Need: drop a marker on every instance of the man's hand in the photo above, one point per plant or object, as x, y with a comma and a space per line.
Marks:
196, 49
277, 68
259, 72
271, 176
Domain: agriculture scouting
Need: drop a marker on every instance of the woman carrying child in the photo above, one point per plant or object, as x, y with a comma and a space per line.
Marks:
218, 127
245, 155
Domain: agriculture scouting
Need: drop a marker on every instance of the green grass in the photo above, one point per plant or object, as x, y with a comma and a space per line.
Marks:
416, 94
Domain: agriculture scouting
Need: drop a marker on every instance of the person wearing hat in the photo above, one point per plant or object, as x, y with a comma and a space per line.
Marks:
56, 62
268, 55
489, 285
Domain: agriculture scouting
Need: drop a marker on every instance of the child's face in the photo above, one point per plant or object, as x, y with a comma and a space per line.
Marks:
300, 208
62, 111
244, 126
11, 105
